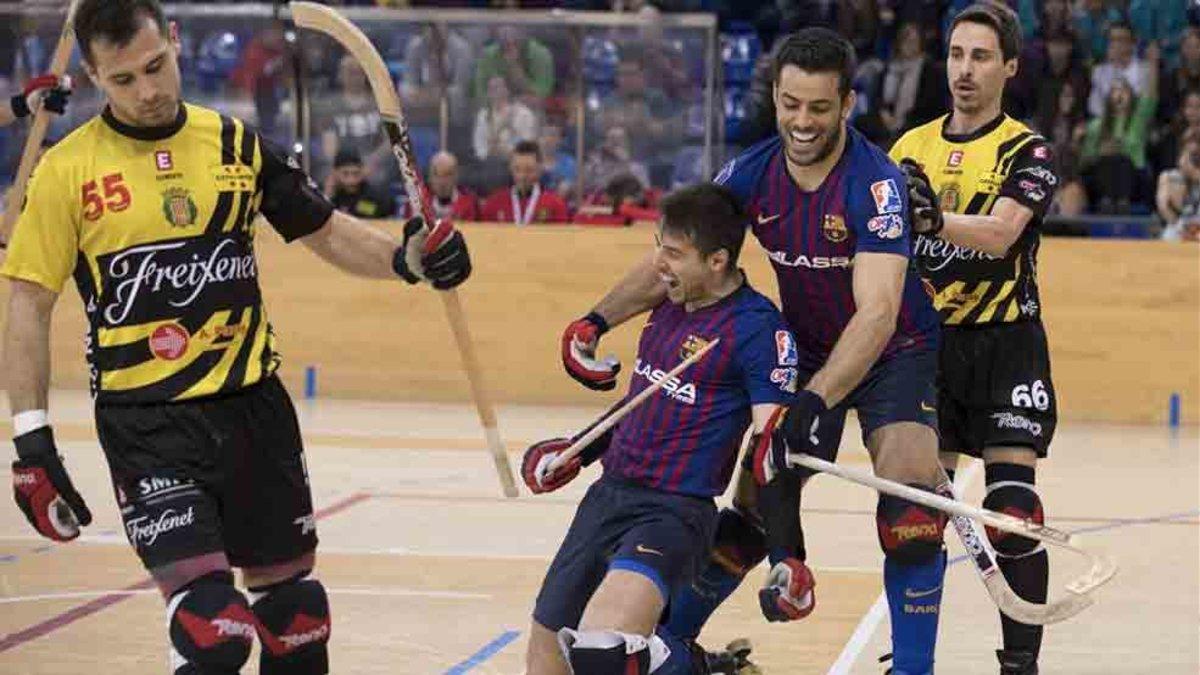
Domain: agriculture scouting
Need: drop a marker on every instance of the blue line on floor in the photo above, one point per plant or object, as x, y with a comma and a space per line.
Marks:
486, 652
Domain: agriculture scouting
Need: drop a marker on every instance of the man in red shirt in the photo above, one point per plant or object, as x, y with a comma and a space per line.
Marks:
525, 201
445, 196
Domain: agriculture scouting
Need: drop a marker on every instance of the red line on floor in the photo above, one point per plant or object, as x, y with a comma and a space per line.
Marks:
103, 602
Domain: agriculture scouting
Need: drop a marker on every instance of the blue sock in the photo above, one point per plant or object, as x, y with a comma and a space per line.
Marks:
692, 604
914, 594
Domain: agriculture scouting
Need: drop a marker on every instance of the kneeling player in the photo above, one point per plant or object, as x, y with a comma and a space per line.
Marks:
645, 527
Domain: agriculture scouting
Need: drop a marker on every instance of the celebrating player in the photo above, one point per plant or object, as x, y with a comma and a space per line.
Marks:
980, 183
831, 211
151, 207
645, 527
46, 90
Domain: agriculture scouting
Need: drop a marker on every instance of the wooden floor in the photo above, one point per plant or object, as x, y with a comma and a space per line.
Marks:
431, 571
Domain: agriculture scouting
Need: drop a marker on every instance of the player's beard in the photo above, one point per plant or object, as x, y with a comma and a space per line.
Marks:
814, 155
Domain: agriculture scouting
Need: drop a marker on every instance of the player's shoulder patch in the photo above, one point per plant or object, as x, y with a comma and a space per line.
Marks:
886, 194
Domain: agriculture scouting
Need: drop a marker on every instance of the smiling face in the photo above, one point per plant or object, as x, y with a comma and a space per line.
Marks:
810, 114
141, 78
690, 275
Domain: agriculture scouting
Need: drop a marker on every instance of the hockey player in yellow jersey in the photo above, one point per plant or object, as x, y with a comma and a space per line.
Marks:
980, 183
151, 207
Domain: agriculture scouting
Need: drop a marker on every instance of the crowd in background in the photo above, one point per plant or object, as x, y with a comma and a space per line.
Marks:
1114, 84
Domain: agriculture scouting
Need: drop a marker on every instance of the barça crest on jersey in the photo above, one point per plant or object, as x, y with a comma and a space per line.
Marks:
785, 348
179, 207
834, 227
691, 345
887, 196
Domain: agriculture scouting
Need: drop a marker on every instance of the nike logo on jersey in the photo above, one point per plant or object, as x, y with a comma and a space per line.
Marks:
910, 593
763, 220
642, 549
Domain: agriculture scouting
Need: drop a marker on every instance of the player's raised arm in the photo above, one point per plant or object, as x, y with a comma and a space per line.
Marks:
639, 291
296, 207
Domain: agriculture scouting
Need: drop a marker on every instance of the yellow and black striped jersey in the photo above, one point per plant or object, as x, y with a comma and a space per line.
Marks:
157, 228
969, 173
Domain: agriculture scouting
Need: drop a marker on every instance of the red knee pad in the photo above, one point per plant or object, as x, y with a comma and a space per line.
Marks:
210, 626
909, 533
294, 628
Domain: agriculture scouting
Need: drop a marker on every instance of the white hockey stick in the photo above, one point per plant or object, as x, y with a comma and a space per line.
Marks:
1101, 570
611, 421
984, 559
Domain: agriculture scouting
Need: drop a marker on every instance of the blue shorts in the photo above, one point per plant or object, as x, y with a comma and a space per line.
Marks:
622, 525
902, 388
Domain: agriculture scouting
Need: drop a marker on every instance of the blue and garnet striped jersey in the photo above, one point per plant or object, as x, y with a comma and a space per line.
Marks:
685, 438
812, 238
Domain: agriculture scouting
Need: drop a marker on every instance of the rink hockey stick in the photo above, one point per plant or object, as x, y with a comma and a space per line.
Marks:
599, 428
37, 129
329, 22
1102, 567
1014, 606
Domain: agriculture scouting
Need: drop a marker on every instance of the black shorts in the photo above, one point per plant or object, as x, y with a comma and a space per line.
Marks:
221, 474
899, 389
621, 525
994, 388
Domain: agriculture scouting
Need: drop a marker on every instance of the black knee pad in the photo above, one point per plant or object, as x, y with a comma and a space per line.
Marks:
740, 543
294, 627
606, 652
1010, 490
909, 533
210, 626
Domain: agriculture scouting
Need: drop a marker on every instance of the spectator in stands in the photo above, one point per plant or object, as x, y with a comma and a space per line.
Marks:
913, 87
1114, 148
1160, 21
1064, 126
558, 164
525, 201
612, 157
1181, 79
1186, 124
635, 105
624, 200
525, 64
262, 73
347, 187
1121, 63
351, 120
446, 198
502, 122
661, 61
1092, 18
437, 60
1178, 198
1064, 64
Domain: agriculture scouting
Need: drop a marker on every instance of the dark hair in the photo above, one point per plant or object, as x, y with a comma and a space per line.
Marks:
817, 50
709, 215
1002, 20
528, 148
115, 21
1120, 24
347, 157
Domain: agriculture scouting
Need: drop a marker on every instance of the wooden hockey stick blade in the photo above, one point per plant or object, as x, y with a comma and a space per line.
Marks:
1014, 606
328, 21
1102, 567
38, 128
611, 421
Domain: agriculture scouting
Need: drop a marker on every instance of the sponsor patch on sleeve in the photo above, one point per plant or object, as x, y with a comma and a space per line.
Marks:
887, 196
785, 346
786, 378
887, 226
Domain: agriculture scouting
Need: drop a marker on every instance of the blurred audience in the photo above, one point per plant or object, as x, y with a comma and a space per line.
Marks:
1178, 198
559, 170
446, 198
525, 64
347, 187
1114, 147
1121, 62
350, 120
611, 158
525, 201
502, 122
623, 200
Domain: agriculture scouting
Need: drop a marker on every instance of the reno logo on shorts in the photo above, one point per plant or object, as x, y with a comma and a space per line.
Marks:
155, 281
144, 532
683, 392
1019, 422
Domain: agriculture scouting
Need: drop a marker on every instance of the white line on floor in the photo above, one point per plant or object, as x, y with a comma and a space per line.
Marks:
353, 590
